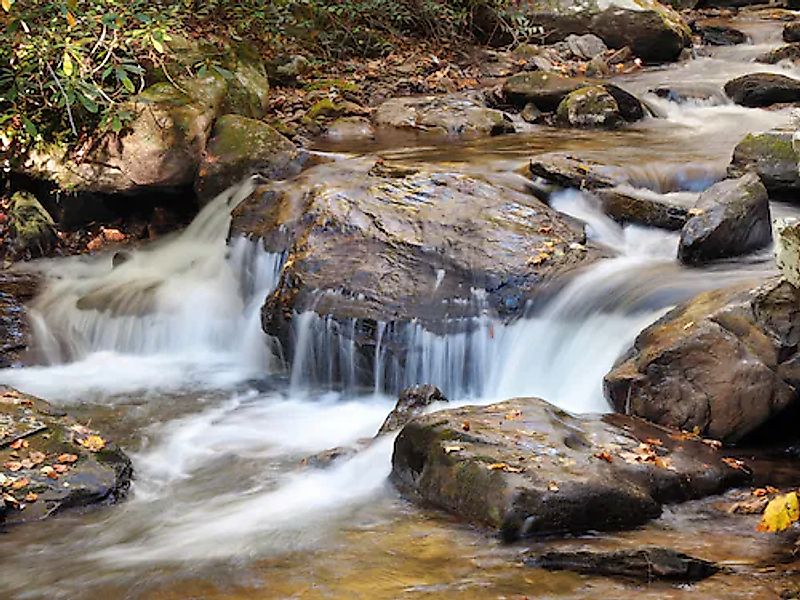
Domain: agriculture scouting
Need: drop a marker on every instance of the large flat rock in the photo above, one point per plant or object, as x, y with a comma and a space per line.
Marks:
525, 467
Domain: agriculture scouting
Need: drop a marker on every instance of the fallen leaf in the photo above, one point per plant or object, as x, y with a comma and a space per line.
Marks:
734, 463
497, 466
716, 444
60, 469
37, 458
9, 499
13, 466
49, 471
18, 444
654, 442
513, 415
20, 483
465, 426
451, 449
93, 443
780, 513
67, 458
604, 456
552, 486
31, 497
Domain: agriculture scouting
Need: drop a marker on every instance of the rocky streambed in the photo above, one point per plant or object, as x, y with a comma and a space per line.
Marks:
582, 264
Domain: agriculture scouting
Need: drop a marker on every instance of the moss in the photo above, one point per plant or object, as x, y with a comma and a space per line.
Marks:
164, 92
769, 145
324, 84
324, 108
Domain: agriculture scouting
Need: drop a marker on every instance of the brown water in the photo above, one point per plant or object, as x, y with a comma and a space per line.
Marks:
220, 508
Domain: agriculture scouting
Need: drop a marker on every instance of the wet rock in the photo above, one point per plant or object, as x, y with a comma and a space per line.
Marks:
731, 217
350, 128
453, 115
32, 228
326, 458
16, 290
790, 52
51, 463
719, 35
648, 564
239, 147
630, 107
589, 107
791, 32
763, 89
586, 47
396, 245
723, 363
626, 205
531, 114
774, 157
571, 171
411, 403
544, 90
525, 468
654, 32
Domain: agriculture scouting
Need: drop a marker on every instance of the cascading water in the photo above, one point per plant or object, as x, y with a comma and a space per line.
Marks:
217, 464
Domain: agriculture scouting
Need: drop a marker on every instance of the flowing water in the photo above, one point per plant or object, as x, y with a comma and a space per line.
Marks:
176, 368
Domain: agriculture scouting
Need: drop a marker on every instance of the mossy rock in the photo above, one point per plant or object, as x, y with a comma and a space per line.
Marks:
239, 147
32, 226
589, 107
774, 156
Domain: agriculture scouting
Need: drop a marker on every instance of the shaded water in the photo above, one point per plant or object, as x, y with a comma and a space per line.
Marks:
175, 366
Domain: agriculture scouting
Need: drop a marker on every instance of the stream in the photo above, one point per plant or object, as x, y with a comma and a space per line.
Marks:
177, 370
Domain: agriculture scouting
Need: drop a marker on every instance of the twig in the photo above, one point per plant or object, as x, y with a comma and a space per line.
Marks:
66, 99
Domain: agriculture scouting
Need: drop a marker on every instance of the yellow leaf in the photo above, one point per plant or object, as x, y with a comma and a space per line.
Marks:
71, 20
68, 68
780, 513
93, 442
6, 5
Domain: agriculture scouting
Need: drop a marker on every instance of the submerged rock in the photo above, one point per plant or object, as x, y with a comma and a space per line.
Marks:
625, 205
773, 156
461, 115
731, 217
656, 33
51, 463
571, 171
725, 363
369, 243
763, 89
348, 129
524, 467
239, 147
648, 564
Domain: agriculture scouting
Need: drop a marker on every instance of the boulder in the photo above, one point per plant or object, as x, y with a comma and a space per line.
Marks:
544, 90
719, 35
373, 242
787, 249
789, 52
163, 144
731, 217
411, 403
656, 33
526, 468
626, 205
32, 228
239, 147
17, 288
571, 171
723, 364
691, 92
763, 89
791, 32
457, 115
51, 463
589, 107
648, 564
586, 47
774, 157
